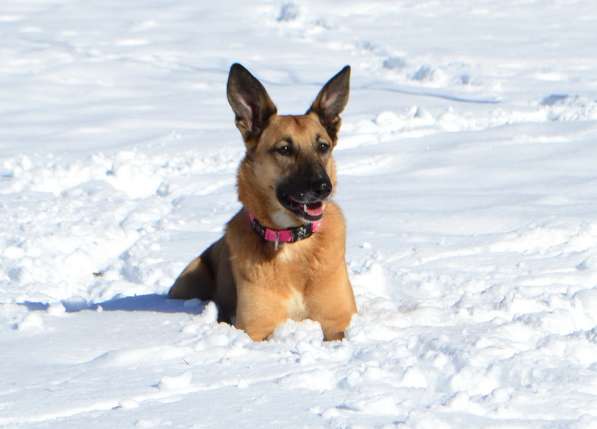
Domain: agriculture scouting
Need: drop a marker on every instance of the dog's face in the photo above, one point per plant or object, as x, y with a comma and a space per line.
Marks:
288, 171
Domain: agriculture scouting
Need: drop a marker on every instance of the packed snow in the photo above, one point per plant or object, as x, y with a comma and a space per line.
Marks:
467, 174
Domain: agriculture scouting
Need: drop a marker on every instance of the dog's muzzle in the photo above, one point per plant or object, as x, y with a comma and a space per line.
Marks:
305, 197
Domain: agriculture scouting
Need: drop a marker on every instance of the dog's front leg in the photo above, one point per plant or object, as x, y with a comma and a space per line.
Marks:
259, 310
331, 302
333, 321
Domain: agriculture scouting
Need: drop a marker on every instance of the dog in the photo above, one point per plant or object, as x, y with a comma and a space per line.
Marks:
282, 255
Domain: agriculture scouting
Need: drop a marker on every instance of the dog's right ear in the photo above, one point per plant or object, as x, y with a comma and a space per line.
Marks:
249, 101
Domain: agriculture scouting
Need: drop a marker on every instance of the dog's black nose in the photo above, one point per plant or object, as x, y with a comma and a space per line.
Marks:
322, 188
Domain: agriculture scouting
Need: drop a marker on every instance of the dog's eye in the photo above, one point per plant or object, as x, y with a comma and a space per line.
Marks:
323, 147
284, 150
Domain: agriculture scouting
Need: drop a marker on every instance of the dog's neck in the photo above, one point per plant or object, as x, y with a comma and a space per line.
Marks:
280, 219
288, 235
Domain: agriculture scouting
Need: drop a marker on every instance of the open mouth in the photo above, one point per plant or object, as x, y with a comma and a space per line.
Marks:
311, 211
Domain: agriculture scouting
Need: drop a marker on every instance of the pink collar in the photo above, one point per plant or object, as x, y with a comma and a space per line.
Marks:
289, 235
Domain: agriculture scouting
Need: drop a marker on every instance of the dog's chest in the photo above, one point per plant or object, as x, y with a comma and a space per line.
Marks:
294, 253
296, 307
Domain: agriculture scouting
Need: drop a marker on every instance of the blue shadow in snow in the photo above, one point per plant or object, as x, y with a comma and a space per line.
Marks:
150, 303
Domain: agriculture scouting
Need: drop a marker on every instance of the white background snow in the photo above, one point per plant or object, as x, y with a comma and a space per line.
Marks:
468, 176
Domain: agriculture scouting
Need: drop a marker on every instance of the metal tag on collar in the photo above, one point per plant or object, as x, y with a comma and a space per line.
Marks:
277, 241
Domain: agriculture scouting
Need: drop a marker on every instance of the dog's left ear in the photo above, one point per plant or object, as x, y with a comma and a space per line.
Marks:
331, 101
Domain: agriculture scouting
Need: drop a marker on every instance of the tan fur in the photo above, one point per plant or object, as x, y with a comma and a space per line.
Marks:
256, 286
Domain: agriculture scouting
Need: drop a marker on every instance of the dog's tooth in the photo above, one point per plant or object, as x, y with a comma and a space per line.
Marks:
305, 207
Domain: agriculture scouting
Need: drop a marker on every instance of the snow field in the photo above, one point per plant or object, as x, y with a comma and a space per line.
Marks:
466, 174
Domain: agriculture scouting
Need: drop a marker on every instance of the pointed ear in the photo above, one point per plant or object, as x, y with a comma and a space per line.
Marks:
249, 101
331, 101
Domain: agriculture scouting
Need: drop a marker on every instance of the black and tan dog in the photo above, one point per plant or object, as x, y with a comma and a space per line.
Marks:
282, 255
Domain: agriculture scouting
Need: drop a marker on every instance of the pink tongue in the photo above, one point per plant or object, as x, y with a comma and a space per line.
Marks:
317, 211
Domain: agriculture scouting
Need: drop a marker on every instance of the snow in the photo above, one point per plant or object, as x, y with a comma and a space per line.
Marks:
466, 173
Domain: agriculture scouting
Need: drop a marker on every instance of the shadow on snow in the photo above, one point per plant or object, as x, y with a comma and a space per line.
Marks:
150, 303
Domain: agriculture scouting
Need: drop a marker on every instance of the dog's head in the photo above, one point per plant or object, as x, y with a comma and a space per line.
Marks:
288, 171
